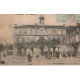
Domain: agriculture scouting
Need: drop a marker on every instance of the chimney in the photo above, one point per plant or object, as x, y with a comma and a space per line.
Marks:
35, 24
15, 24
63, 25
78, 24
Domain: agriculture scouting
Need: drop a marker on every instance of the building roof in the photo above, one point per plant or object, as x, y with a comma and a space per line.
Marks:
37, 26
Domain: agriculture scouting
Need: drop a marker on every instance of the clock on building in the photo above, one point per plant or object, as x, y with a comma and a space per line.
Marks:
41, 31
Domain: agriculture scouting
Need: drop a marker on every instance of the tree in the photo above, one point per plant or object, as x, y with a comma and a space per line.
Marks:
32, 46
41, 43
75, 48
53, 43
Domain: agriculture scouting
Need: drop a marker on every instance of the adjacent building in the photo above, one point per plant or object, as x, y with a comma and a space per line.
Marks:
73, 39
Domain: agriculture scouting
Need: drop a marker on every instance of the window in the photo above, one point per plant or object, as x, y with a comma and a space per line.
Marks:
59, 32
64, 40
77, 38
25, 31
53, 32
64, 32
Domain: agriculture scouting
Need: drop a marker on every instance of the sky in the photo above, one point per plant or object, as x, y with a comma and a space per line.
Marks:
7, 22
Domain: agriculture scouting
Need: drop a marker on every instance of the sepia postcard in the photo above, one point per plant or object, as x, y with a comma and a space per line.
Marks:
39, 39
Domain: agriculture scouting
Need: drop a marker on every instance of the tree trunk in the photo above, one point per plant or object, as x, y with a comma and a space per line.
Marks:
53, 52
32, 51
42, 50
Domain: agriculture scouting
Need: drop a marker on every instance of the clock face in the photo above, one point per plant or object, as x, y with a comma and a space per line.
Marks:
41, 31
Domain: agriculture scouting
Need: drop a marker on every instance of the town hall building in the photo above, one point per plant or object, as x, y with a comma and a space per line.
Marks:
39, 39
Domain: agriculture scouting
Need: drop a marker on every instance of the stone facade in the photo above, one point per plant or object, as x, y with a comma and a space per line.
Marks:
39, 36
73, 39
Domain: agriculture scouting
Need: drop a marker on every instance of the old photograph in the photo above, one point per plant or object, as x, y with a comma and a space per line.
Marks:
39, 39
